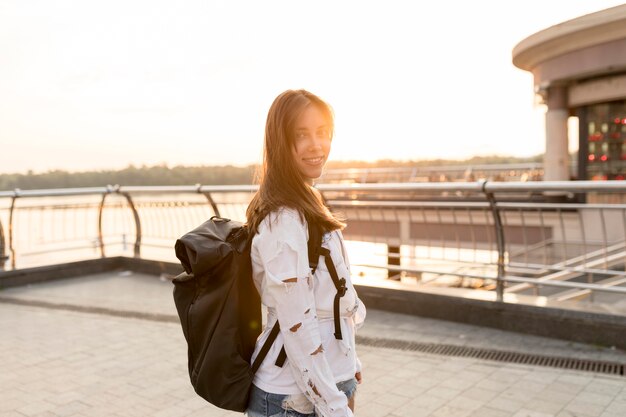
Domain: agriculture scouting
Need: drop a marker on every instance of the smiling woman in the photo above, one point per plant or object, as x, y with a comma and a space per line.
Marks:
312, 368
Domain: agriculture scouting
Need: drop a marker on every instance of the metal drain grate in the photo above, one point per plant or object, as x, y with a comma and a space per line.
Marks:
603, 367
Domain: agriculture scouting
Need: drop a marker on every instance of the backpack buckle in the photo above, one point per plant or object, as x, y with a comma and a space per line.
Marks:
341, 291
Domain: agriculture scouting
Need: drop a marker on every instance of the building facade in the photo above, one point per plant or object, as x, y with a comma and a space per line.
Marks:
579, 69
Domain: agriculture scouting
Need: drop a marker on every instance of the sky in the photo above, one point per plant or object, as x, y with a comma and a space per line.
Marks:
94, 85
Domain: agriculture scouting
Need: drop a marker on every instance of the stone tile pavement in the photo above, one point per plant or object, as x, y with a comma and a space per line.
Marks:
57, 361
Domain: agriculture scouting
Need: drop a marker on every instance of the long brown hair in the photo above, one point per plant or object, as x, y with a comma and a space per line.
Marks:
280, 182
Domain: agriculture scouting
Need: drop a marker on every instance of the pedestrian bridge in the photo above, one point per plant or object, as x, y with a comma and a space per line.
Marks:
484, 300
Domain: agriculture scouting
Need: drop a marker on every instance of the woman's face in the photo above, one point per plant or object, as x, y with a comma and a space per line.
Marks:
312, 139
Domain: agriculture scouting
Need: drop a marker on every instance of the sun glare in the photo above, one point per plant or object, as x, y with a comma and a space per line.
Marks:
191, 83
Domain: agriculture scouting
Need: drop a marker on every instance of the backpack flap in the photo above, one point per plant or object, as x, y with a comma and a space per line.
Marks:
201, 249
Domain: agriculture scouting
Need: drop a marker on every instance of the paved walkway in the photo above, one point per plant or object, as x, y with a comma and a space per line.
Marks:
58, 358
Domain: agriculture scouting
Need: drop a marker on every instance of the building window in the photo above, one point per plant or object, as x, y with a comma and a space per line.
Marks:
606, 141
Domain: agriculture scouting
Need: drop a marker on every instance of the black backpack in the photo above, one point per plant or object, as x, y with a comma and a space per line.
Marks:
220, 309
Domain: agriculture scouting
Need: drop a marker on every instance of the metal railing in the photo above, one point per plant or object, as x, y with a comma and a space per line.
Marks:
532, 171
523, 172
510, 239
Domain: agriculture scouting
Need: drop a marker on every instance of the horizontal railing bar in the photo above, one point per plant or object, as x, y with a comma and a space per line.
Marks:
63, 207
396, 268
54, 192
229, 188
161, 189
568, 269
344, 203
407, 204
478, 187
157, 245
565, 284
567, 186
64, 249
189, 189
404, 186
557, 206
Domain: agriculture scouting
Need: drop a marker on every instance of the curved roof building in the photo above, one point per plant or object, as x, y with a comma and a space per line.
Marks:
579, 69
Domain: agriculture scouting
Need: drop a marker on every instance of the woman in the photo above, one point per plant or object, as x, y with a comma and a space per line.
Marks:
321, 371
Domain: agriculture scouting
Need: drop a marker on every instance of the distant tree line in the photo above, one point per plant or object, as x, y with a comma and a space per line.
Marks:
146, 175
206, 175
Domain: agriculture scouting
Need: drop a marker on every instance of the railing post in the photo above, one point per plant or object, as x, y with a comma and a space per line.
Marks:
11, 210
137, 251
3, 256
100, 216
499, 229
216, 211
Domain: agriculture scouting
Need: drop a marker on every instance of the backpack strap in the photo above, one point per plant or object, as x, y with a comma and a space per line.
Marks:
340, 286
266, 348
314, 244
282, 357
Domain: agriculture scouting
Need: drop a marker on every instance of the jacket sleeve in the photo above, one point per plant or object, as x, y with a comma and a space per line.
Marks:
289, 285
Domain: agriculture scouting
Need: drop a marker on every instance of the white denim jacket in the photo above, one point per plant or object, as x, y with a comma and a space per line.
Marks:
303, 306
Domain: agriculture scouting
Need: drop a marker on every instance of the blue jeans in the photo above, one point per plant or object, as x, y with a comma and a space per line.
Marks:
265, 404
